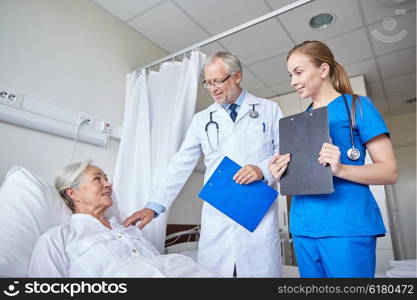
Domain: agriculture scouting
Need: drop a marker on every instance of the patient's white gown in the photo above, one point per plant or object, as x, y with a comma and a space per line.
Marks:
85, 248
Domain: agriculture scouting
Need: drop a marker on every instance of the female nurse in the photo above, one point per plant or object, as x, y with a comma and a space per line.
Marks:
335, 234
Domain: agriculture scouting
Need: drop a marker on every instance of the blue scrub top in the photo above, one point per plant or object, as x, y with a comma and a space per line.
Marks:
351, 210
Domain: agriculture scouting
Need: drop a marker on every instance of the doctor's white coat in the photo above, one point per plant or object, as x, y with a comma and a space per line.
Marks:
224, 243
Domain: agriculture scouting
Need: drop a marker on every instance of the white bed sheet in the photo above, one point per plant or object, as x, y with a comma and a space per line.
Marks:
168, 265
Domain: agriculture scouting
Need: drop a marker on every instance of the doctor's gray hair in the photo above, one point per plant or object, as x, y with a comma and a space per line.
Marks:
230, 60
70, 177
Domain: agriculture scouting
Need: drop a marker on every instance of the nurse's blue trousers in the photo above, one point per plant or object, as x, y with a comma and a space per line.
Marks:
336, 256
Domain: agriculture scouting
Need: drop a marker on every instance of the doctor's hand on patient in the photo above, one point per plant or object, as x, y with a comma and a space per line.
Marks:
248, 174
145, 216
278, 164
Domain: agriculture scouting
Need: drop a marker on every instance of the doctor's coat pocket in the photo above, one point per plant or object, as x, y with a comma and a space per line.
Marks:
258, 144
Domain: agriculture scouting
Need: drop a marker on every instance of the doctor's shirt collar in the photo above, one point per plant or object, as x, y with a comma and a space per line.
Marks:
238, 101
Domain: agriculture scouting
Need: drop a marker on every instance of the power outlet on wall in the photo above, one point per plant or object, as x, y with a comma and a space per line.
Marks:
10, 97
90, 122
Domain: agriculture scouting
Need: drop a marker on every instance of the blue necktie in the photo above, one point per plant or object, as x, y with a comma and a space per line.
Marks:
233, 113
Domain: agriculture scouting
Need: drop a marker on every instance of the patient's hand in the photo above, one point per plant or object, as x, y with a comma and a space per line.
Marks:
145, 216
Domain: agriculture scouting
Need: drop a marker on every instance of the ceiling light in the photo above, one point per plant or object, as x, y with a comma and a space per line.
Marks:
322, 21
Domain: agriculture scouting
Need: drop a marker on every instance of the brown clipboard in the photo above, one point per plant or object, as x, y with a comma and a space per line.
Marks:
302, 135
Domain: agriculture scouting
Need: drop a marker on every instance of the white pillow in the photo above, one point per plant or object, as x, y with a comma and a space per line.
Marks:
28, 207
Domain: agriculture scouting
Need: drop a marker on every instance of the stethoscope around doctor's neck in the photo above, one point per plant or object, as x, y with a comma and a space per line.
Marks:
352, 153
253, 114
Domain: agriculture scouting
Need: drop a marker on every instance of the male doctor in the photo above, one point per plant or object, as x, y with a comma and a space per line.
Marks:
244, 128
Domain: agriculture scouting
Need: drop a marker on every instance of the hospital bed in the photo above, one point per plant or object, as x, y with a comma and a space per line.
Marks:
29, 207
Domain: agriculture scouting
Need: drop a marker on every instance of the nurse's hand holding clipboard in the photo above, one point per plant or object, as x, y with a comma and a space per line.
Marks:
330, 154
278, 164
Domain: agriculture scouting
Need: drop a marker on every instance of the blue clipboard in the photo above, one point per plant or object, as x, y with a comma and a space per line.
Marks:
245, 204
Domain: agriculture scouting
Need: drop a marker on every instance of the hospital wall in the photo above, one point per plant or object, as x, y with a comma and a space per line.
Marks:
187, 207
72, 54
403, 193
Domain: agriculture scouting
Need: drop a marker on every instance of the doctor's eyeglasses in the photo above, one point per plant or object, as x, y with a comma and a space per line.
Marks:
216, 83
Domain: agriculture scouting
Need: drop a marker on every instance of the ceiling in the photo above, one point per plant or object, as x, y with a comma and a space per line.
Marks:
374, 38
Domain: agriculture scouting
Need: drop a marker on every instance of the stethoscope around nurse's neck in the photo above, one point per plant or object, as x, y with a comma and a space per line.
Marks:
352, 153
253, 114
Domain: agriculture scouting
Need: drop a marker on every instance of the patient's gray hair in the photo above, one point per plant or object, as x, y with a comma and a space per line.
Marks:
230, 60
70, 177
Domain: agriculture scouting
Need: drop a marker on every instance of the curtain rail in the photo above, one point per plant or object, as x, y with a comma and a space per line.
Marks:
229, 32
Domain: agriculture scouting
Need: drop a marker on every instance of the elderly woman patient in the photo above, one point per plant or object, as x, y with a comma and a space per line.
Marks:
90, 245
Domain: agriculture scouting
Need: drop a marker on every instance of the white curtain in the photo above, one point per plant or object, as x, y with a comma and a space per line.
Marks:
159, 108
